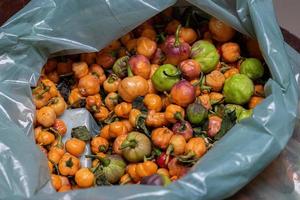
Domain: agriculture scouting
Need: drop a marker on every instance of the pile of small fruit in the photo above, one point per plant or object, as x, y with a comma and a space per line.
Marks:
162, 95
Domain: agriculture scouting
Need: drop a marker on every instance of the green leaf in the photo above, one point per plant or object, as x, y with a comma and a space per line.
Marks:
228, 121
141, 124
81, 133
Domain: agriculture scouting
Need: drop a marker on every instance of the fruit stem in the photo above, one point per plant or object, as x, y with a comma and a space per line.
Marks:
129, 72
178, 116
131, 144
177, 42
104, 161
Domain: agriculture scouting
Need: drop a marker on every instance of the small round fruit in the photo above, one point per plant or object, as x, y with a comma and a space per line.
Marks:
238, 89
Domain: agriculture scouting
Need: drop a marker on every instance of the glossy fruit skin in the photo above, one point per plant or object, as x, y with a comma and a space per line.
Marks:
84, 178
230, 52
105, 59
80, 69
111, 83
165, 77
176, 53
55, 154
75, 146
252, 67
58, 104
161, 160
156, 119
97, 70
190, 69
89, 85
45, 138
183, 128
189, 35
229, 73
93, 102
220, 31
41, 101
140, 66
60, 126
214, 125
75, 97
149, 33
171, 111
197, 146
111, 100
133, 115
238, 89
46, 116
178, 144
146, 168
159, 57
123, 109
215, 80
245, 114
132, 87
102, 114
161, 137
125, 179
56, 182
137, 145
206, 55
132, 172
183, 93
153, 102
146, 47
117, 144
172, 26
196, 113
117, 128
99, 144
66, 169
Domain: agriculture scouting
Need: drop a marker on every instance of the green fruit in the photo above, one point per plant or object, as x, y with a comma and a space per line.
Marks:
233, 107
196, 113
166, 180
165, 77
238, 89
245, 114
135, 147
206, 55
252, 68
114, 168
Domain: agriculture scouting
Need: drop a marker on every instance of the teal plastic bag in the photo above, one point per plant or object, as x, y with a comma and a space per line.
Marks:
51, 27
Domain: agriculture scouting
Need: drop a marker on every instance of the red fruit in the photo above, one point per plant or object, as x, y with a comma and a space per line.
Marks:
158, 57
161, 160
214, 125
140, 66
176, 49
105, 59
183, 128
190, 69
183, 93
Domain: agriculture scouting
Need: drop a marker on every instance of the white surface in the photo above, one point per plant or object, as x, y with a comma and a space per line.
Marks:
288, 15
